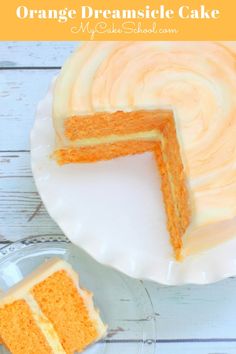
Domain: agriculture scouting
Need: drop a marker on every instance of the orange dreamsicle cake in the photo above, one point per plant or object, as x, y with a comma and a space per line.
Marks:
176, 100
48, 313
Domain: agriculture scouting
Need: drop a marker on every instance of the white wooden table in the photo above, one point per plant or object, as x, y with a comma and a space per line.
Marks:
190, 319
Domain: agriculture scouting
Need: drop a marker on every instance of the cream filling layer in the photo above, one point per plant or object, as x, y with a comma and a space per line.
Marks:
109, 139
45, 326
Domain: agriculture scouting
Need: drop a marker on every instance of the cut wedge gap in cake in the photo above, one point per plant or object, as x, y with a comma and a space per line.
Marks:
105, 136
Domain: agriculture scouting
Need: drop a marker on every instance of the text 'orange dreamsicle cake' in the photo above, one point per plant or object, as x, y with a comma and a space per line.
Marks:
48, 313
176, 100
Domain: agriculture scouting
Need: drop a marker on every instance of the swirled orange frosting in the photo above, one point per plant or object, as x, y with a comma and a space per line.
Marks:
197, 80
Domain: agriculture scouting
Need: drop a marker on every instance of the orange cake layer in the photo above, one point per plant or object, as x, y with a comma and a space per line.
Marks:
48, 313
20, 331
103, 151
105, 136
117, 123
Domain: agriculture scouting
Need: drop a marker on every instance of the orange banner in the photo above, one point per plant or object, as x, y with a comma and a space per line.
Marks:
117, 20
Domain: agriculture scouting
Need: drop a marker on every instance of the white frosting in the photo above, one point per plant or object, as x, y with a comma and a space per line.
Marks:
195, 79
19, 290
45, 326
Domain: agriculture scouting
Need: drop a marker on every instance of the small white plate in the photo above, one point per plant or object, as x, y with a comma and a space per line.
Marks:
120, 299
114, 211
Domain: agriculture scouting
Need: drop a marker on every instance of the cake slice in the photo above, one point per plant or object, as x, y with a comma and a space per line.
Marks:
1, 341
48, 312
104, 136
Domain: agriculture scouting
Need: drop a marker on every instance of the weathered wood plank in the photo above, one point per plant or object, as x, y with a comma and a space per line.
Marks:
195, 348
15, 164
191, 312
20, 92
18, 54
21, 211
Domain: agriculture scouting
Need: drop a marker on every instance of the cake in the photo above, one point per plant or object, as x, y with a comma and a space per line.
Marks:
48, 312
174, 99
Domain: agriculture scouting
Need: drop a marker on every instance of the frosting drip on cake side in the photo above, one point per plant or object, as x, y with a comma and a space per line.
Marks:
198, 81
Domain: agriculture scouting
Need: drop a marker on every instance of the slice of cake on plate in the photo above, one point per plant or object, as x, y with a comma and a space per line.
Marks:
48, 313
